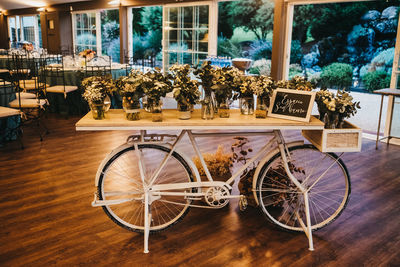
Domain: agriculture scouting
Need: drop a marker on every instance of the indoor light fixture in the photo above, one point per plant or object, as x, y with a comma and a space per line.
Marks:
114, 2
41, 9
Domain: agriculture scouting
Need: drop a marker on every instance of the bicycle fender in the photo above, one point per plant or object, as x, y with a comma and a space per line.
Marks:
265, 160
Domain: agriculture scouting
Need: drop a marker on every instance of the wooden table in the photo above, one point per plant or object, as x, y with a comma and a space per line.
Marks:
387, 92
115, 120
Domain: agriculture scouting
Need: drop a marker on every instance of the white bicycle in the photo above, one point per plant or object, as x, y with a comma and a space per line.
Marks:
147, 185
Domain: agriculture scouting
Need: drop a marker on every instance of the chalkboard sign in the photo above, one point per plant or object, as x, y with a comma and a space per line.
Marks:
291, 104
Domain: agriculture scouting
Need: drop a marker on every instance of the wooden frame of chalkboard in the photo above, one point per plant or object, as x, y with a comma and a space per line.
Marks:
291, 104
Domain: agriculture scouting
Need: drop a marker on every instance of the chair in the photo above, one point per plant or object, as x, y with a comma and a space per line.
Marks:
32, 109
27, 73
143, 64
56, 76
9, 117
98, 66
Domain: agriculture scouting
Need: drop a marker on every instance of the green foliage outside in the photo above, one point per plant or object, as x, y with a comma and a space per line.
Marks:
110, 34
337, 75
86, 39
376, 80
256, 16
227, 48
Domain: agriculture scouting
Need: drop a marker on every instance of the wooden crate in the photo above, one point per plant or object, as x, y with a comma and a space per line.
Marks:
346, 139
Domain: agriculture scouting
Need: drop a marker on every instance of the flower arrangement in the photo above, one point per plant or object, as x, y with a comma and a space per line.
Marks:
206, 74
185, 90
333, 109
28, 47
263, 86
131, 89
96, 88
133, 85
225, 81
159, 85
246, 86
219, 164
300, 83
88, 54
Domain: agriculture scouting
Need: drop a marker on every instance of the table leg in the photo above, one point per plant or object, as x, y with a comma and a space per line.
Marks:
379, 123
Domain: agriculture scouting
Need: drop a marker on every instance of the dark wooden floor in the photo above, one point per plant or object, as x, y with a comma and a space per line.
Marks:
46, 217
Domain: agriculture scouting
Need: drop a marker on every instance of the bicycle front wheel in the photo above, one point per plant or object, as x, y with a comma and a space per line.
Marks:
324, 174
120, 179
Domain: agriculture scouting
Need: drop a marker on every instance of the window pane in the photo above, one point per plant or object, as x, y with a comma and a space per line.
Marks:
110, 44
85, 31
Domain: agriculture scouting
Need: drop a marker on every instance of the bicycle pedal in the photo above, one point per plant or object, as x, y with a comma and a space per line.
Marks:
243, 203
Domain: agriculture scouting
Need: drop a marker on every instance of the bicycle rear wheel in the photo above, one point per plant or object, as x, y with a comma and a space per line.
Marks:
283, 203
120, 179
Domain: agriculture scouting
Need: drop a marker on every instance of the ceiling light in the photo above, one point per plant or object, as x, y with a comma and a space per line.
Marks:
114, 2
41, 9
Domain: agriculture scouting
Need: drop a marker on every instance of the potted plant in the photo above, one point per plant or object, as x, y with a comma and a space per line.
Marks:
96, 90
206, 75
245, 94
159, 85
333, 109
262, 87
224, 83
132, 88
185, 90
300, 83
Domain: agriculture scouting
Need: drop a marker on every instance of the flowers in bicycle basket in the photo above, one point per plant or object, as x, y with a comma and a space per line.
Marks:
333, 109
97, 88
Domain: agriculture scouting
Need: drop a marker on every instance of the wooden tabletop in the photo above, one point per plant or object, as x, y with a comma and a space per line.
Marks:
115, 120
388, 91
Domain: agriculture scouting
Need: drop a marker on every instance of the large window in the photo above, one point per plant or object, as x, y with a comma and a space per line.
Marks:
97, 30
24, 29
186, 34
85, 31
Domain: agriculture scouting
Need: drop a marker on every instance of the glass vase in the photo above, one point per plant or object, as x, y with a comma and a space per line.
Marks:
331, 120
107, 103
131, 106
98, 110
223, 109
208, 107
246, 105
156, 111
262, 107
184, 111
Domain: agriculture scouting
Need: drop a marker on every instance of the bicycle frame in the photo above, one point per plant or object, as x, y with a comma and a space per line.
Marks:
155, 191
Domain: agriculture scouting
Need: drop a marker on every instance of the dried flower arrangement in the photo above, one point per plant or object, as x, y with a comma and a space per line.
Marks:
300, 83
159, 86
219, 164
133, 85
97, 88
245, 88
185, 90
333, 109
263, 86
225, 81
206, 75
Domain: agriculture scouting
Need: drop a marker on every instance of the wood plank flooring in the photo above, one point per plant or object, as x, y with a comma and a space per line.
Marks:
46, 218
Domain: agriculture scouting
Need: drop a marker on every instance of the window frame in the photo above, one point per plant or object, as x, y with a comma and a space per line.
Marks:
22, 37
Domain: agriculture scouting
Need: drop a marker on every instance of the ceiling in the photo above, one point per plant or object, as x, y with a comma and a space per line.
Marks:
16, 4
